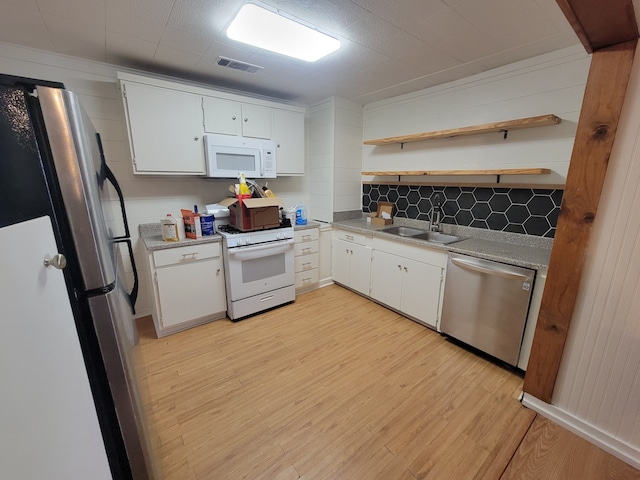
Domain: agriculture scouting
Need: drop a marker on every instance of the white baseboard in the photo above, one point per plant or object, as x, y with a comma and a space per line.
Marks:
597, 437
325, 282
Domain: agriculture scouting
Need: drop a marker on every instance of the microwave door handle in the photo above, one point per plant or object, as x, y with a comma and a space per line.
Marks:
261, 160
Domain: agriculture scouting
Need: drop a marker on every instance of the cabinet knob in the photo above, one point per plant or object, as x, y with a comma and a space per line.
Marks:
218, 272
195, 139
405, 269
58, 261
233, 118
399, 267
246, 120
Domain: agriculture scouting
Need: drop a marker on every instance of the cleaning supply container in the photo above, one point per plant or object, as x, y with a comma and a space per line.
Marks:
301, 214
169, 229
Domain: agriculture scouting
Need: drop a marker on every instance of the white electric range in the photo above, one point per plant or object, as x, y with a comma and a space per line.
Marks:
259, 269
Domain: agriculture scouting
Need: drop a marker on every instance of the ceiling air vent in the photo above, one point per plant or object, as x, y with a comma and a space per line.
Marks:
238, 65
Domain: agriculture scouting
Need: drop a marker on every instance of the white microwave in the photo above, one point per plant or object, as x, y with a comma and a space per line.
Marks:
227, 156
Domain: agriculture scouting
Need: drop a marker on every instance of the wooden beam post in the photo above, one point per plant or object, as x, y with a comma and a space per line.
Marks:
597, 125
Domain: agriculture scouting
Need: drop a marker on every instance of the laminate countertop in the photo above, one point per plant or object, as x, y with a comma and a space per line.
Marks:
151, 234
512, 248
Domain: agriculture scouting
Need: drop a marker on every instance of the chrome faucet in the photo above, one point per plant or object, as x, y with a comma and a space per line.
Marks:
436, 213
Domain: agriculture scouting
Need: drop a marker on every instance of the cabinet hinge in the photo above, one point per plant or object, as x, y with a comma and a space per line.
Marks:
124, 90
155, 277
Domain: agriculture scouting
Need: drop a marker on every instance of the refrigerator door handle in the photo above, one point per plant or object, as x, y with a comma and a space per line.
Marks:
105, 172
133, 296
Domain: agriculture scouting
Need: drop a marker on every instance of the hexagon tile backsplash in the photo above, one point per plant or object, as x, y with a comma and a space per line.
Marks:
530, 211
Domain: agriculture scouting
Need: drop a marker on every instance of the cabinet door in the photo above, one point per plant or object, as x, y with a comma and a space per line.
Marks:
340, 259
386, 278
222, 116
186, 293
256, 121
288, 133
50, 428
165, 130
421, 291
360, 268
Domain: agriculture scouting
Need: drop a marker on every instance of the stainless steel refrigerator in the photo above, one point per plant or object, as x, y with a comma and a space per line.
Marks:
52, 166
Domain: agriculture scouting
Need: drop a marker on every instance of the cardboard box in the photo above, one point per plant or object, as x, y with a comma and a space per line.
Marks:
192, 227
377, 219
253, 213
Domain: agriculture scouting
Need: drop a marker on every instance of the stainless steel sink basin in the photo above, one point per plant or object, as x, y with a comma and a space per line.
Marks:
404, 231
437, 237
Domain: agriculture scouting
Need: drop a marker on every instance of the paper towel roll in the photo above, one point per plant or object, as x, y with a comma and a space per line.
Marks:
180, 224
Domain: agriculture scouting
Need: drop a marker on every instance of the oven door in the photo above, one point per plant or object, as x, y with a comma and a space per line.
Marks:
258, 269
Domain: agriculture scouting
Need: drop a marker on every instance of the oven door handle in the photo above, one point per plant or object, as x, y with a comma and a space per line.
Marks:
273, 248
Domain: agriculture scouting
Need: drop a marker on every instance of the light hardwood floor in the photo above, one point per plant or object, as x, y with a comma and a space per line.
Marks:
333, 386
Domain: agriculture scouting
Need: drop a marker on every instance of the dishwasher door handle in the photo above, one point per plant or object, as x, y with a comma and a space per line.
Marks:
502, 272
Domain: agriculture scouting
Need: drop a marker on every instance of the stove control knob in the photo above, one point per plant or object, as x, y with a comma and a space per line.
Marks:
247, 241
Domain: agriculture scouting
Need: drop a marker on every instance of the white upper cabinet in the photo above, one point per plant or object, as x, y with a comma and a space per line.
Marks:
288, 133
229, 117
165, 130
167, 121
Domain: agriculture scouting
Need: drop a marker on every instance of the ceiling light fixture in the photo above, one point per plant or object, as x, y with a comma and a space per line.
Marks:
265, 29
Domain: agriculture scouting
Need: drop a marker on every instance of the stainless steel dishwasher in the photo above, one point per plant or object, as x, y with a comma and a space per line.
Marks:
485, 305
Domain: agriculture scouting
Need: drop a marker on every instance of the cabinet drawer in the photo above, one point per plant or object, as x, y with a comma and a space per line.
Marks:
352, 237
181, 255
306, 248
432, 256
306, 279
306, 262
307, 235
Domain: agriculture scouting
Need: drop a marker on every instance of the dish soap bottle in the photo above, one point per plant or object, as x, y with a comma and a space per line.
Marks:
169, 229
244, 188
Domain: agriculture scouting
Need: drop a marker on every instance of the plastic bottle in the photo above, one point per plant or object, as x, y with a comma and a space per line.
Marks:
169, 229
244, 188
301, 214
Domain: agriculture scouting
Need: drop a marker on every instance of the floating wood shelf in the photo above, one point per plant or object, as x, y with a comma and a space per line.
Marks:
503, 171
519, 123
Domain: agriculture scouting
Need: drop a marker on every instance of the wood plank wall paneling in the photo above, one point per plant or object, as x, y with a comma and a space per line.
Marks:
601, 24
597, 382
604, 96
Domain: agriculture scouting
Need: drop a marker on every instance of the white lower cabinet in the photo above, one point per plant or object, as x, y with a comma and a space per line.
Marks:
409, 279
351, 260
188, 286
306, 258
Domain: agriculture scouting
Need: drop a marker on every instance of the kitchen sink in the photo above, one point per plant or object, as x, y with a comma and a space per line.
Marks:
404, 231
437, 237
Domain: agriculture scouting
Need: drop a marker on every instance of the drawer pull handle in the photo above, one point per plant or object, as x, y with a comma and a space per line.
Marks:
306, 249
348, 237
192, 255
306, 237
